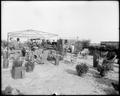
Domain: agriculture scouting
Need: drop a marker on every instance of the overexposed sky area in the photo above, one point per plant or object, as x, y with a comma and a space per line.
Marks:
94, 20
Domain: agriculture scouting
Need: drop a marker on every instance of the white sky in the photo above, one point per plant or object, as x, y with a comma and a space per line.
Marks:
94, 20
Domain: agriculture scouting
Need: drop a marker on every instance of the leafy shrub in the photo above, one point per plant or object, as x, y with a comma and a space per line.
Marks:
104, 68
99, 68
17, 63
85, 43
50, 58
7, 90
29, 66
27, 58
78, 46
82, 69
4, 43
60, 58
107, 66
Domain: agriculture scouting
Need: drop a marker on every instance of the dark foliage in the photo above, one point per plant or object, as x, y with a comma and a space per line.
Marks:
50, 58
29, 66
82, 69
17, 63
115, 86
104, 68
4, 43
85, 43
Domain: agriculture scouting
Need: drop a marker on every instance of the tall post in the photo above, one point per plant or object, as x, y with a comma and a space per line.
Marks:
7, 49
57, 54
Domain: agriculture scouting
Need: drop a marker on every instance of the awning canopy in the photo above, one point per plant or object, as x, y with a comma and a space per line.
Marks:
31, 34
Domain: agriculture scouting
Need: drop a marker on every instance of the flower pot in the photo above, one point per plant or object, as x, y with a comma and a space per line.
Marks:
5, 63
18, 72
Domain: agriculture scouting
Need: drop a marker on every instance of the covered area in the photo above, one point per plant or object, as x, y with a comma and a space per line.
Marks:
31, 34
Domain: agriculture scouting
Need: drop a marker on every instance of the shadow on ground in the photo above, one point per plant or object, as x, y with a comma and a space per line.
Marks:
106, 81
110, 91
70, 71
94, 73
